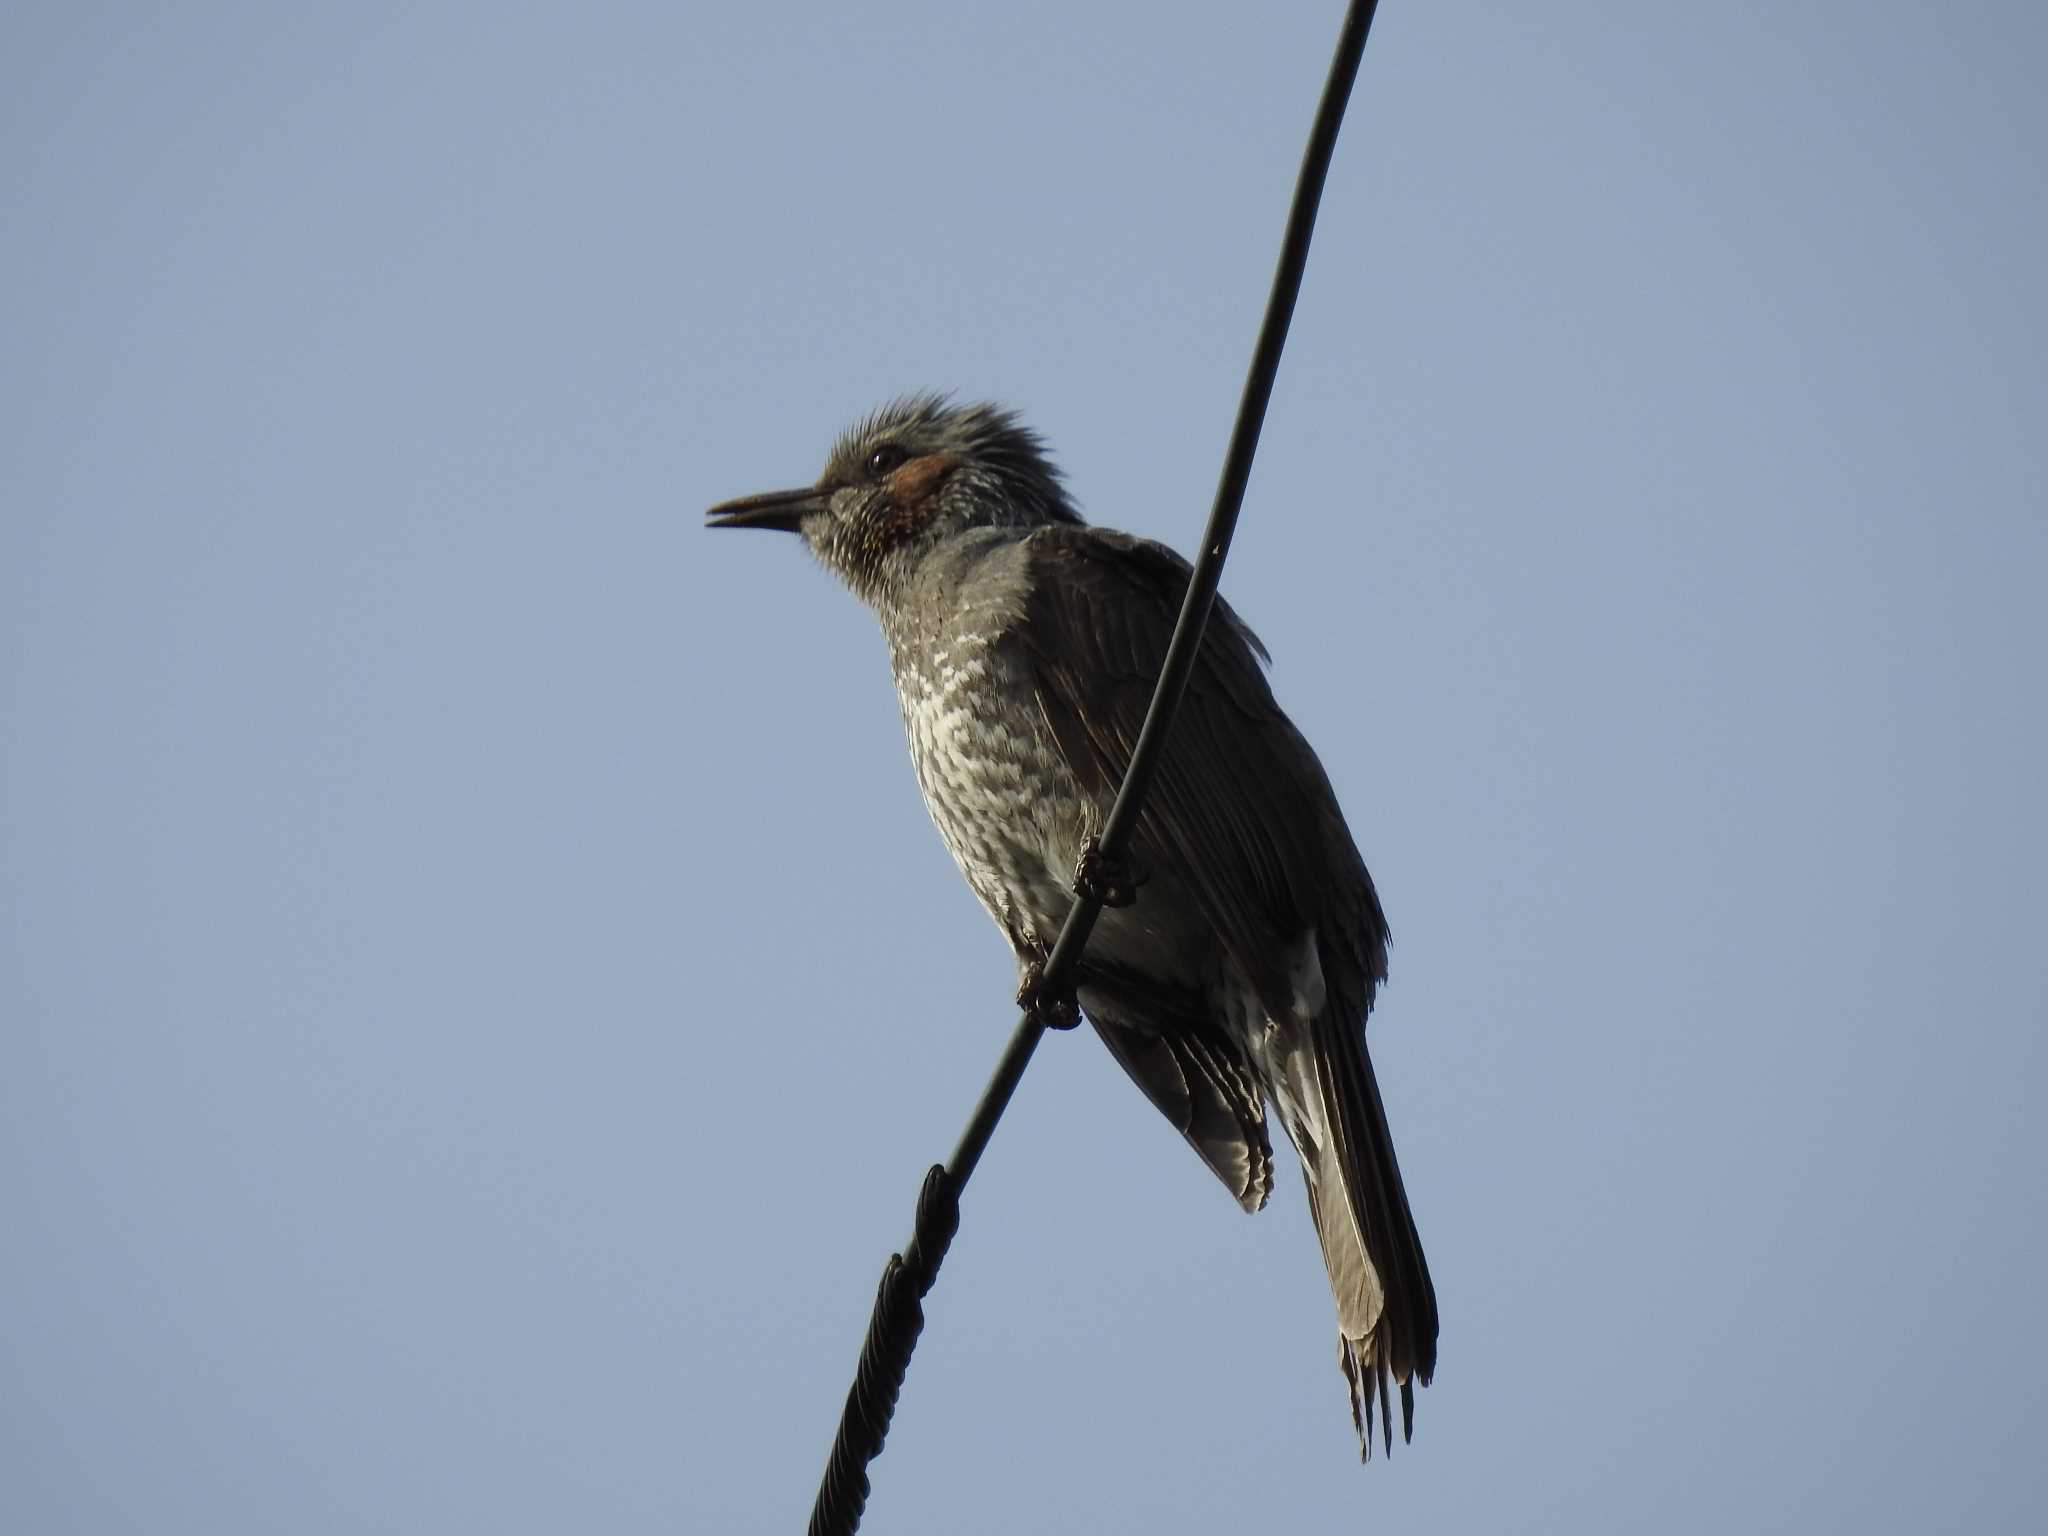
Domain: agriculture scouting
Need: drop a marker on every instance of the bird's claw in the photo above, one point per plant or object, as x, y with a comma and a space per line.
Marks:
1106, 881
1052, 1012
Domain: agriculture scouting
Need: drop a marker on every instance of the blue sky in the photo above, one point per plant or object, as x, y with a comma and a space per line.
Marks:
480, 990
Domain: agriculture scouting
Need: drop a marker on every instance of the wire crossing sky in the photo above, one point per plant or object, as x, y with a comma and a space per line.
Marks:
897, 1319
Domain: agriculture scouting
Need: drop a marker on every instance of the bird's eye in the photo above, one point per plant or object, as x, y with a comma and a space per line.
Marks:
887, 457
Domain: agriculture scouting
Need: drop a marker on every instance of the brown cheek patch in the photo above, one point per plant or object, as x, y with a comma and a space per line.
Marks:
913, 497
919, 478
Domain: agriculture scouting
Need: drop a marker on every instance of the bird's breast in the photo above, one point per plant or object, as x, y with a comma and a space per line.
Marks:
1007, 807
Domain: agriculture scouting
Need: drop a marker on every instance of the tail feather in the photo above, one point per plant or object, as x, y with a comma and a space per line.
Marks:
1386, 1304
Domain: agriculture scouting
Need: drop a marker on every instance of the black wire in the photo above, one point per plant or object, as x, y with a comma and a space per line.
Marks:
899, 1313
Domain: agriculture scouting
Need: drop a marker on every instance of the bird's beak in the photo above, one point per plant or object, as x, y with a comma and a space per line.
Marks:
785, 510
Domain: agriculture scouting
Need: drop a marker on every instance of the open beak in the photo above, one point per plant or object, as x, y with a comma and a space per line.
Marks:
785, 510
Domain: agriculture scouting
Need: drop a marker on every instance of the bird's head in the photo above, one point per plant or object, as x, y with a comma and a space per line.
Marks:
916, 473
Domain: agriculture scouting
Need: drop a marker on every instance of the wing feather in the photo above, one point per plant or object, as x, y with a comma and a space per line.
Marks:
1241, 812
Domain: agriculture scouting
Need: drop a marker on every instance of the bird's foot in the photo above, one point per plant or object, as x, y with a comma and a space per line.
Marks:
1053, 1012
1101, 879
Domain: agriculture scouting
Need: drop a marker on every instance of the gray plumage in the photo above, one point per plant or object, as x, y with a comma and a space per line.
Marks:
1025, 645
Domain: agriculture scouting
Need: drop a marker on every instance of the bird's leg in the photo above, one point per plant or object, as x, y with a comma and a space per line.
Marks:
1101, 879
1053, 1012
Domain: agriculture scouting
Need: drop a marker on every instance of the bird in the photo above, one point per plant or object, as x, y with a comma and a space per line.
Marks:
1241, 940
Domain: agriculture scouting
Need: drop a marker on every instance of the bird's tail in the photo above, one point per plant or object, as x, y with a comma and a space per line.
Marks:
1386, 1305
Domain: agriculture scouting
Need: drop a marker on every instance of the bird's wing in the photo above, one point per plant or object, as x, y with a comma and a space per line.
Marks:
1241, 813
1242, 818
1193, 1072
1201, 1082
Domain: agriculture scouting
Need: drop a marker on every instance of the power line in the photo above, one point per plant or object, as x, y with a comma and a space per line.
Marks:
898, 1316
